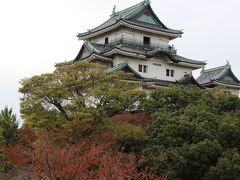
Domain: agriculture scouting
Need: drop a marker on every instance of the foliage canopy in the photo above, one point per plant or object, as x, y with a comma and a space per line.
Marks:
194, 134
53, 98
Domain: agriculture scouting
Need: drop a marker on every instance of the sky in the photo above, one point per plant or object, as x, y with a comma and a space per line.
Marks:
36, 34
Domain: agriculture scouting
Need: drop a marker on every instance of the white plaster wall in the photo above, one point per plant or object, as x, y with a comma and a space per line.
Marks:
154, 71
132, 35
112, 36
138, 37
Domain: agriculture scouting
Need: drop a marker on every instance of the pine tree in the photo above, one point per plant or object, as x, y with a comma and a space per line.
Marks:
8, 126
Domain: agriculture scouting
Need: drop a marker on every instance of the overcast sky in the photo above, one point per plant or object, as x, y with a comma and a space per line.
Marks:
35, 34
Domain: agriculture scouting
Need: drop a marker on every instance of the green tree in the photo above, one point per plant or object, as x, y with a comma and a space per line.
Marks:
191, 132
55, 98
129, 138
229, 131
8, 126
227, 168
172, 100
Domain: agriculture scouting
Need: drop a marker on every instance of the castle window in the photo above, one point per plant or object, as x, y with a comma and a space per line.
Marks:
106, 40
142, 68
156, 64
170, 72
167, 72
146, 40
145, 69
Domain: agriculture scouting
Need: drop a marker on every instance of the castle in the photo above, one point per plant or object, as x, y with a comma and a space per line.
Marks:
135, 40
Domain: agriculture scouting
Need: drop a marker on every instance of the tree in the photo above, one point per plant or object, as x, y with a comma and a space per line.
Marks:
191, 133
228, 166
8, 136
229, 131
53, 99
172, 100
129, 138
9, 126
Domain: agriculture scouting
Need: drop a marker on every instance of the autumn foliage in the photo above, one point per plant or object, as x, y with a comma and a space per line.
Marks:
51, 154
17, 154
83, 124
141, 119
82, 162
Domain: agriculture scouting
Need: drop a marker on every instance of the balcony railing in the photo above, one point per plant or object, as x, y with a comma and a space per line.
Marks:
141, 45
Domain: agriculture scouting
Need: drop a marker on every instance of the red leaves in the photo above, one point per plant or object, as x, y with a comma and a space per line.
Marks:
141, 119
17, 154
92, 159
83, 162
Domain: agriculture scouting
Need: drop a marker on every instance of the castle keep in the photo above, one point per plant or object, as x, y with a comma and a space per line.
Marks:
135, 40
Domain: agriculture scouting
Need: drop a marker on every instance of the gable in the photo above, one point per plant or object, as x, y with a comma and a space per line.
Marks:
83, 53
229, 78
189, 81
125, 68
147, 18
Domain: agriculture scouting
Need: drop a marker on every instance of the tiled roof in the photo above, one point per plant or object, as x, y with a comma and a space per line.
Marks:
189, 80
222, 74
186, 60
164, 83
118, 67
128, 15
174, 57
123, 67
105, 50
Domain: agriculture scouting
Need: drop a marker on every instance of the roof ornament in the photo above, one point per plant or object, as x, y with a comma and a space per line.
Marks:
113, 11
228, 64
147, 1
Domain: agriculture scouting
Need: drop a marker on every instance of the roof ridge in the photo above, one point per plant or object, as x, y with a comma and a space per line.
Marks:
118, 13
124, 16
88, 43
188, 59
120, 65
134, 11
146, 3
215, 68
131, 7
220, 74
